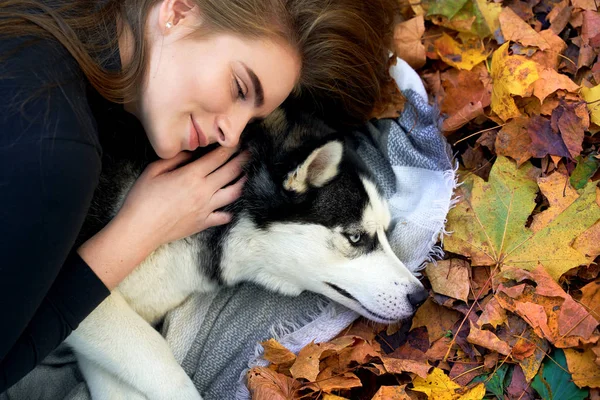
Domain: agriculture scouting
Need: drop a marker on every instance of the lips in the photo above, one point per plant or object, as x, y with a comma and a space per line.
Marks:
197, 138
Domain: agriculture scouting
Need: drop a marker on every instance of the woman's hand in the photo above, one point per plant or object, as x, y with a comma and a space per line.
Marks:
165, 204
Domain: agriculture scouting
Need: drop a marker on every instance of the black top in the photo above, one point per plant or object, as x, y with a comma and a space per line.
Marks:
50, 162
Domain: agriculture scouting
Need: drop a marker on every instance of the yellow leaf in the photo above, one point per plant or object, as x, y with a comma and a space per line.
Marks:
592, 98
475, 393
461, 56
489, 223
437, 386
511, 75
584, 370
490, 11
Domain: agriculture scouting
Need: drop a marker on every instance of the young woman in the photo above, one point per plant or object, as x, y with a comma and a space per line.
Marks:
188, 73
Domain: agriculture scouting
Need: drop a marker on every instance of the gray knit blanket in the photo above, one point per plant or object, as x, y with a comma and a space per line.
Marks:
215, 336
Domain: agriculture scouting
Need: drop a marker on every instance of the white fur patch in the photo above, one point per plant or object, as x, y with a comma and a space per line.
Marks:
377, 214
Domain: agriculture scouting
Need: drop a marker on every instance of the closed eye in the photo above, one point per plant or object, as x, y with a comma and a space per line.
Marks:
240, 94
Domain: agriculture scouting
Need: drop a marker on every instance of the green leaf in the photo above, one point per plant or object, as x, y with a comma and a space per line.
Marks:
553, 382
489, 222
447, 8
496, 384
586, 168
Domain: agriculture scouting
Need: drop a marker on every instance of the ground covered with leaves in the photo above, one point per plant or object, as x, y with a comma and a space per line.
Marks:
514, 308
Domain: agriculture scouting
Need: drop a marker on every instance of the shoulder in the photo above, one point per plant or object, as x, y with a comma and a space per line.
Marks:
43, 94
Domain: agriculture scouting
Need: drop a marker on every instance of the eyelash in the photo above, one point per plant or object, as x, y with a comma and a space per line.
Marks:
241, 94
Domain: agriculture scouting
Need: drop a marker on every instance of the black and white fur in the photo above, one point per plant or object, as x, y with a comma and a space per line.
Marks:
310, 218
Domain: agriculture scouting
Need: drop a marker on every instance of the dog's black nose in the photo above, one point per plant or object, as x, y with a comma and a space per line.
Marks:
417, 298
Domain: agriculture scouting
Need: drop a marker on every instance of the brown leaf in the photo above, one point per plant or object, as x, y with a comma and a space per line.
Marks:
522, 349
560, 195
590, 298
462, 117
590, 26
439, 349
481, 284
584, 370
407, 41
490, 360
543, 140
550, 81
307, 363
517, 30
463, 88
513, 140
585, 4
360, 353
493, 314
391, 393
559, 16
265, 384
463, 373
519, 388
450, 278
398, 366
276, 353
328, 380
487, 340
437, 319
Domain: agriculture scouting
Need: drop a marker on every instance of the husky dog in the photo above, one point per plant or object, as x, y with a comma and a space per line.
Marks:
310, 218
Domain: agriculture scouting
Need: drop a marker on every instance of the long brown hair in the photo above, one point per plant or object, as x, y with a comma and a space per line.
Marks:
343, 44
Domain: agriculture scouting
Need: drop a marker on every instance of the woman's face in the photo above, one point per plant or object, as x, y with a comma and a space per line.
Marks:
203, 91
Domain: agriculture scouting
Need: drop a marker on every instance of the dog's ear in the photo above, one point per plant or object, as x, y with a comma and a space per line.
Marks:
320, 167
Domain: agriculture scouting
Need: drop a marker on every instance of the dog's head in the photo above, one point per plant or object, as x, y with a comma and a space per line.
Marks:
313, 219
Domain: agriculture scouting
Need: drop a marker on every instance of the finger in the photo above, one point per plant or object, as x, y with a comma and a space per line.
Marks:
228, 195
213, 160
228, 172
217, 218
162, 166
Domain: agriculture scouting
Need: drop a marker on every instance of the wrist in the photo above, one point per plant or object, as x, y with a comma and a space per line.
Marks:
115, 251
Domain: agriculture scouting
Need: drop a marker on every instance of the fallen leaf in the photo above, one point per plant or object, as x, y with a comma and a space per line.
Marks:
488, 223
463, 373
585, 4
276, 353
328, 381
437, 319
488, 340
544, 140
307, 362
523, 349
513, 140
391, 393
559, 194
460, 55
397, 366
495, 382
585, 169
517, 30
264, 383
590, 298
450, 278
511, 75
554, 383
519, 388
407, 41
549, 81
463, 88
584, 370
493, 314
438, 386
592, 98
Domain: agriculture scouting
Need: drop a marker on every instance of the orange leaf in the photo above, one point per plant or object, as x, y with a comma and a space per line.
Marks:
264, 383
391, 393
488, 340
450, 278
275, 353
437, 319
517, 30
407, 41
397, 366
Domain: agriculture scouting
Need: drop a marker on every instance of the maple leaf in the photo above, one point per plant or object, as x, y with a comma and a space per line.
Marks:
517, 30
407, 41
488, 224
450, 277
460, 55
264, 383
438, 386
471, 16
511, 75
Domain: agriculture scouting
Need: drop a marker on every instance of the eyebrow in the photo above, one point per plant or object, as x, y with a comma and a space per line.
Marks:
258, 89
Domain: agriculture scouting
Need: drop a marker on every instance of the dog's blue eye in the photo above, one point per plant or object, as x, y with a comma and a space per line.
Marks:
354, 238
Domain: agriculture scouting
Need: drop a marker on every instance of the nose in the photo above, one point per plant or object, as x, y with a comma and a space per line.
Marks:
230, 128
417, 298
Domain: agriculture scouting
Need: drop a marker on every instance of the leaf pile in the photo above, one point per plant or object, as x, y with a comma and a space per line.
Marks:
514, 309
